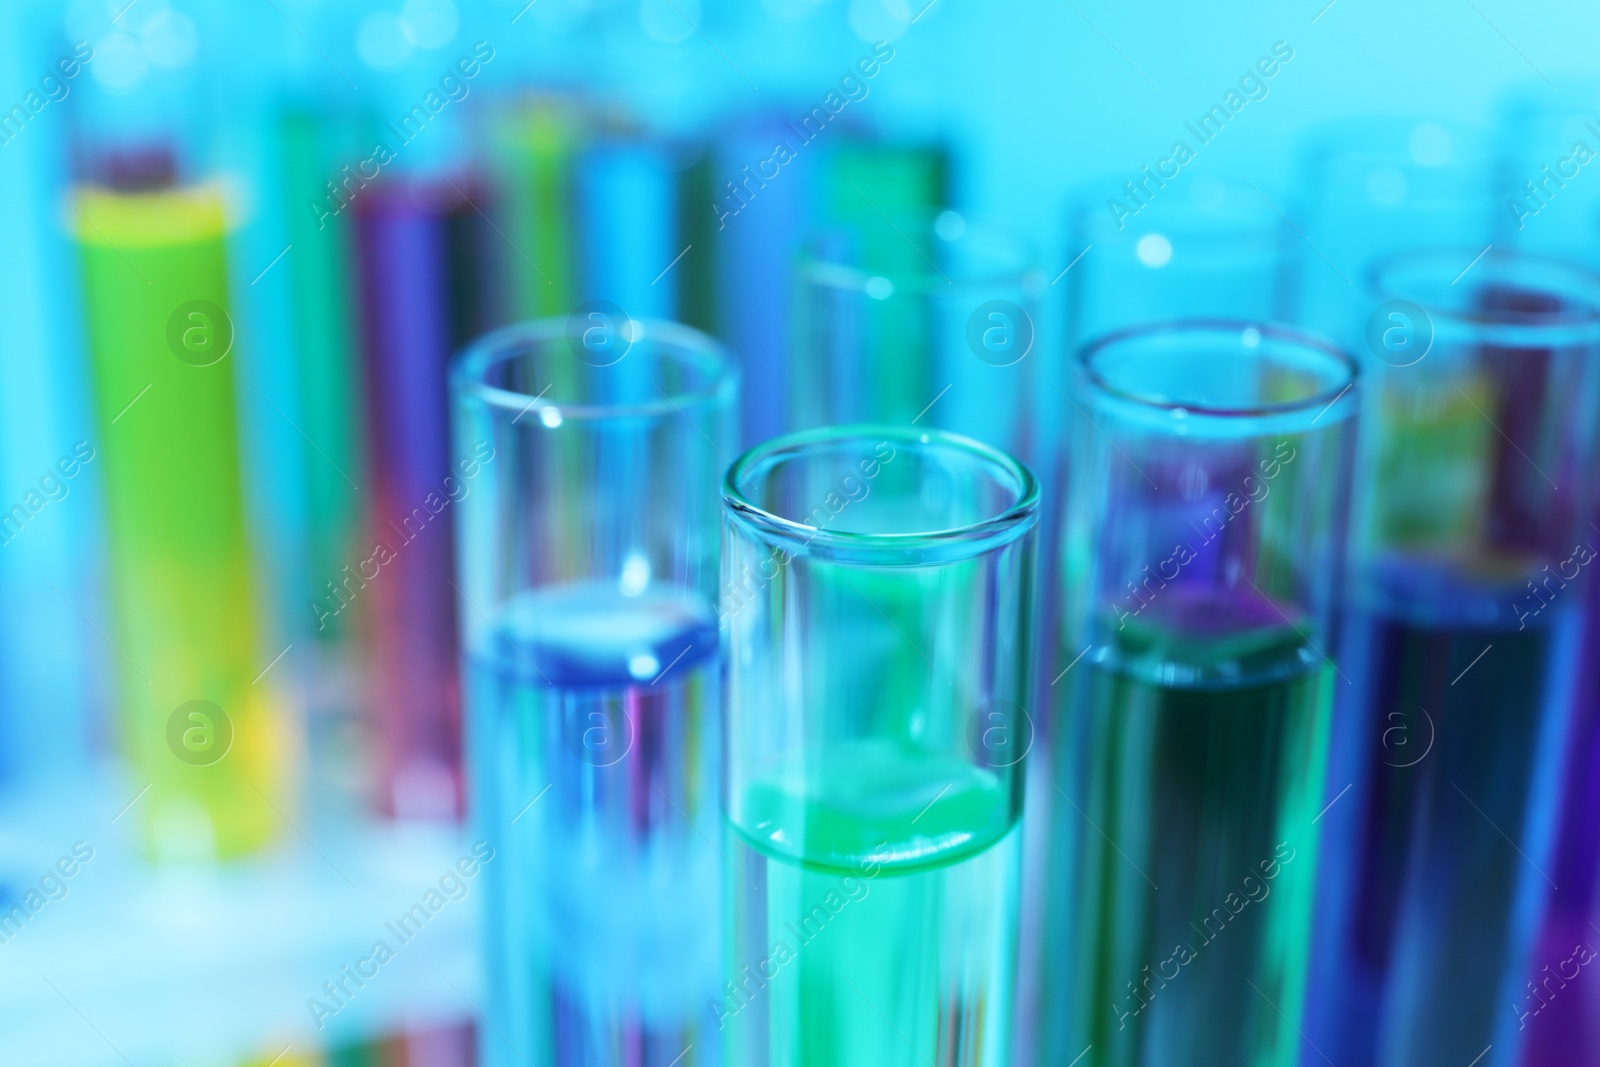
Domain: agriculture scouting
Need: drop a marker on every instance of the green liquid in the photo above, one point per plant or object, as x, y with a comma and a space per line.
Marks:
330, 409
1196, 764
537, 144
878, 921
888, 194
179, 563
865, 179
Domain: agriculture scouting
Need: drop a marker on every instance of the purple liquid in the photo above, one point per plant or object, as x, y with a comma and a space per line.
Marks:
420, 266
1568, 1026
1438, 867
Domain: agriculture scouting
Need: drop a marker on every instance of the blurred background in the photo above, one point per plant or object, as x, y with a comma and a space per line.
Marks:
230, 712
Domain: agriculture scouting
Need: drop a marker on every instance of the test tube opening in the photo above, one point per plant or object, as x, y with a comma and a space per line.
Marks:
941, 494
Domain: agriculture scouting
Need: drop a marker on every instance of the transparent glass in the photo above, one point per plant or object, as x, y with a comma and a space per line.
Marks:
1213, 247
921, 318
1461, 639
1206, 246
1546, 142
1209, 475
876, 615
587, 575
1378, 186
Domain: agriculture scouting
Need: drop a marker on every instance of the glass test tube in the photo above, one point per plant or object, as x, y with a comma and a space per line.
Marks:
760, 209
313, 141
159, 332
870, 195
931, 321
1207, 247
1214, 248
644, 234
1546, 140
875, 753
536, 143
1203, 531
44, 416
1380, 186
326, 340
420, 247
872, 185
1461, 647
588, 577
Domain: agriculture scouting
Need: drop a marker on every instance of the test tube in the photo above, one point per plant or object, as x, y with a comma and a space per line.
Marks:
1547, 140
1215, 248
327, 349
854, 361
1545, 206
1202, 536
1212, 247
537, 143
1376, 186
760, 210
156, 297
43, 417
420, 246
873, 185
1472, 532
929, 322
875, 755
636, 241
588, 578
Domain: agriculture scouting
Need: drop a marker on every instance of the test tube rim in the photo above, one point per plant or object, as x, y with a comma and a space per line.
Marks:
919, 547
1505, 329
472, 365
814, 268
1232, 237
1384, 140
1288, 416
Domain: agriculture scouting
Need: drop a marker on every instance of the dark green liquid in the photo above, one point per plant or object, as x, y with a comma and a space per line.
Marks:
1193, 754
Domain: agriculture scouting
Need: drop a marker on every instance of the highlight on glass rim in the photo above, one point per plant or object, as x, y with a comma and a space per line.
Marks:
799, 533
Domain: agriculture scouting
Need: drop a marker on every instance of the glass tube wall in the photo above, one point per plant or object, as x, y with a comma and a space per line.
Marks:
1209, 473
587, 578
1471, 541
876, 614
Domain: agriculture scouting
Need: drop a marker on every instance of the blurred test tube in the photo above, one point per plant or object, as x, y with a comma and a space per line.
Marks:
1203, 531
1463, 614
153, 212
1374, 186
422, 247
588, 577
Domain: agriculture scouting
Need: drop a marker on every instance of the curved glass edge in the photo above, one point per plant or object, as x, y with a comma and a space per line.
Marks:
917, 548
1323, 408
1455, 324
1013, 247
470, 368
1247, 221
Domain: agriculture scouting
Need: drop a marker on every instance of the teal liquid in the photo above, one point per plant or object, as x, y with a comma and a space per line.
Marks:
1194, 758
873, 921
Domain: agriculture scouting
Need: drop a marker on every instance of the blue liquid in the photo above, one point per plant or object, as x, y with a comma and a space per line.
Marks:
600, 710
1434, 882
